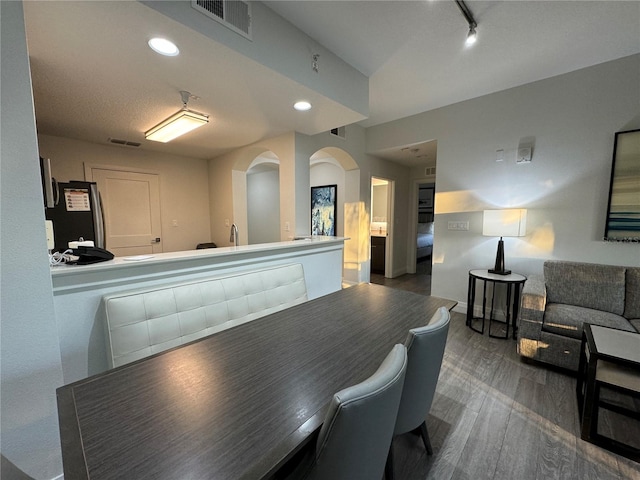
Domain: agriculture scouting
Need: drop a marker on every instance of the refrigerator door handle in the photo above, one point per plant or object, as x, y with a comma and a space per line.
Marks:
98, 216
56, 191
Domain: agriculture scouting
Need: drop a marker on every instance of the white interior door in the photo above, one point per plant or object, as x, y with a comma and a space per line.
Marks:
131, 205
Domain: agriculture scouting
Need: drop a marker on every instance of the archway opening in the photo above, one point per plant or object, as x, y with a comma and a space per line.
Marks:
263, 199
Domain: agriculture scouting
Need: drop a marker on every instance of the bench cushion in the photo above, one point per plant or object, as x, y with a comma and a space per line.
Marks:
144, 322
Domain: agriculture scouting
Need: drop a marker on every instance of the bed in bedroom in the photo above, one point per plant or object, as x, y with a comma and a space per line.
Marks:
424, 241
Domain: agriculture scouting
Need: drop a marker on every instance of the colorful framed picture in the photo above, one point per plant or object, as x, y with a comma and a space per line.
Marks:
323, 210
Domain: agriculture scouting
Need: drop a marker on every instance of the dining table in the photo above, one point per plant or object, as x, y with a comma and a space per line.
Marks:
237, 404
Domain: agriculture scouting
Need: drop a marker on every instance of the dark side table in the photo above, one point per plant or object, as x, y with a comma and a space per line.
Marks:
513, 281
608, 358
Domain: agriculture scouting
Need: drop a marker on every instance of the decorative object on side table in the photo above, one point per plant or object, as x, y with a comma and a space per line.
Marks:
503, 223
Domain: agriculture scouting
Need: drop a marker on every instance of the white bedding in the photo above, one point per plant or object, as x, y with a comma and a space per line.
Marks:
425, 240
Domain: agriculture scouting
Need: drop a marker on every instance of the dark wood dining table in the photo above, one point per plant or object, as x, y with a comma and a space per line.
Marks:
237, 404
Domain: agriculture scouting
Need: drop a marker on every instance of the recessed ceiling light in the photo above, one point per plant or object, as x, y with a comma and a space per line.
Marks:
163, 47
302, 106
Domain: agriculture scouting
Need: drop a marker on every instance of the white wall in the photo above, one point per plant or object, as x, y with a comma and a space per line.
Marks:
29, 351
571, 120
263, 207
282, 47
228, 185
184, 188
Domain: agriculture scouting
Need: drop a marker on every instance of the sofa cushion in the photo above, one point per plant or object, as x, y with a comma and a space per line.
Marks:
567, 320
601, 287
632, 297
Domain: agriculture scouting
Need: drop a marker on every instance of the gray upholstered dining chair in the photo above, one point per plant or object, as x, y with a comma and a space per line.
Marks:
357, 430
425, 349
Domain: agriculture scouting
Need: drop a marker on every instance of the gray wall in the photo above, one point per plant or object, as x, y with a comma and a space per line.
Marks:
571, 120
30, 354
263, 207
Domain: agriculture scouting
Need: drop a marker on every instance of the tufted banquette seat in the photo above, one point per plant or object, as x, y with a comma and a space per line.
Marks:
144, 322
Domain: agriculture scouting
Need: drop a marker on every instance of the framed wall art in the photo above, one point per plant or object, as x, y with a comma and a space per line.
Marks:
323, 210
623, 212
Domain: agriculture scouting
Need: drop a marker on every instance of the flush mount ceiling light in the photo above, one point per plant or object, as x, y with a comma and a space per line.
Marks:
302, 106
472, 36
177, 124
163, 47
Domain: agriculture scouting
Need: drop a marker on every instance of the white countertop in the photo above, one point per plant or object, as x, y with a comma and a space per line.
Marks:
221, 253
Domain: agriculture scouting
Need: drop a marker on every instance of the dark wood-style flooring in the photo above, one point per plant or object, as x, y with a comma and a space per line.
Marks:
497, 417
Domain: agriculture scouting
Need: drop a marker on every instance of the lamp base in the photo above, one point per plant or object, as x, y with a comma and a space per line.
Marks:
499, 269
500, 272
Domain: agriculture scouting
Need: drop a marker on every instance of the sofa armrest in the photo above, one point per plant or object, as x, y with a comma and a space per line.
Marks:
531, 316
534, 299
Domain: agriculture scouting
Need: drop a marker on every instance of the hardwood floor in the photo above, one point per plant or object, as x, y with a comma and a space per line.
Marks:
497, 417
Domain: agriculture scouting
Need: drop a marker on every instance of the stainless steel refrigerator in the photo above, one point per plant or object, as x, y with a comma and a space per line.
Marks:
75, 211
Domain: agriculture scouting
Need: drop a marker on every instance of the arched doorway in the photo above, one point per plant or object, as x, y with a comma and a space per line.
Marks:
263, 199
334, 166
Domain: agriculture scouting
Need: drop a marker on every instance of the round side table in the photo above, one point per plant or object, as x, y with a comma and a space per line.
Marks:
513, 281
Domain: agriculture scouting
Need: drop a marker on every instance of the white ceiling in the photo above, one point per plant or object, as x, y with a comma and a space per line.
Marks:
94, 78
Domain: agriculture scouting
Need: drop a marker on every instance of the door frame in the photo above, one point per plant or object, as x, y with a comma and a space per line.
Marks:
412, 247
388, 251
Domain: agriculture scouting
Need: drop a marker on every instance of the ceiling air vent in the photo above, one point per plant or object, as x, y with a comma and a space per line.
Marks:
429, 171
338, 132
234, 14
126, 143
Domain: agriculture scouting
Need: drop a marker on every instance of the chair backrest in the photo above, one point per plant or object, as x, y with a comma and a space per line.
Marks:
356, 435
425, 349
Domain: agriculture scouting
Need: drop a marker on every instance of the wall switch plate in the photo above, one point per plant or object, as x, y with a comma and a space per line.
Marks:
226, 222
499, 155
459, 226
287, 227
174, 223
49, 228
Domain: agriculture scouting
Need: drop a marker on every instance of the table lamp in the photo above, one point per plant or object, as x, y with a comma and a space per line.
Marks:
504, 223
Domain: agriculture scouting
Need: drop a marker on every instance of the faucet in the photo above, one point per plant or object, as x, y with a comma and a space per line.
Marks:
234, 234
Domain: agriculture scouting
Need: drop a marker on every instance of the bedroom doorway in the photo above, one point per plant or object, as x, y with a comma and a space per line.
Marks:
381, 231
424, 229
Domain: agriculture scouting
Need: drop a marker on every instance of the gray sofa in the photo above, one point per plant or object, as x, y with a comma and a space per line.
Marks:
555, 306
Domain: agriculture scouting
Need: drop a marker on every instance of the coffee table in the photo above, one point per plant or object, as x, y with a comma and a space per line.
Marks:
610, 358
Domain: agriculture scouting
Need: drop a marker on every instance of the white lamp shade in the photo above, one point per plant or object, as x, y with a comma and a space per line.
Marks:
505, 223
177, 124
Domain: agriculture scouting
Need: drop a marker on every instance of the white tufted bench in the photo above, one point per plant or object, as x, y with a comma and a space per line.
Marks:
144, 322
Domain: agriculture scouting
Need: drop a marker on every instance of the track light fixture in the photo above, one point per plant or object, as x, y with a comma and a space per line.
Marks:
179, 123
472, 36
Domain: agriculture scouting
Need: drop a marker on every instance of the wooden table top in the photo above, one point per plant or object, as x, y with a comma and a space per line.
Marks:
237, 404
